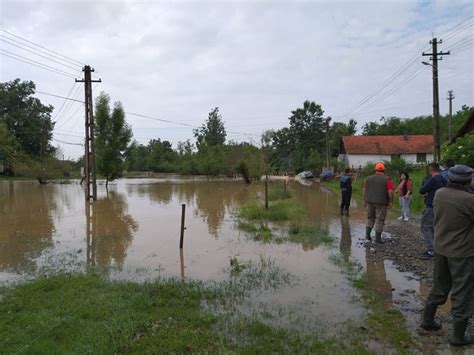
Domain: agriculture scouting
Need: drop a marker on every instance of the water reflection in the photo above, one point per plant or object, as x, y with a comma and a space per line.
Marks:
26, 223
346, 239
377, 278
109, 230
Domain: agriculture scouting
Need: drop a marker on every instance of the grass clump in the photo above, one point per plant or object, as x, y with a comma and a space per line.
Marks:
309, 236
278, 193
278, 211
259, 232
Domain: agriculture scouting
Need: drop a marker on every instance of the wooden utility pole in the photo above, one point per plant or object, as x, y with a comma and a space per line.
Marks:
328, 149
450, 122
435, 56
89, 154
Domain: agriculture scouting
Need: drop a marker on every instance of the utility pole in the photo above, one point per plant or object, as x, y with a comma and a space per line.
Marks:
450, 122
89, 154
328, 149
435, 56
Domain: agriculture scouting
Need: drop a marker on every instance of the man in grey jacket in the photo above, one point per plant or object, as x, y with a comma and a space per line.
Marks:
454, 255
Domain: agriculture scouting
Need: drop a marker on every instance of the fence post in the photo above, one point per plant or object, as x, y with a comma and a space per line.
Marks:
183, 213
266, 192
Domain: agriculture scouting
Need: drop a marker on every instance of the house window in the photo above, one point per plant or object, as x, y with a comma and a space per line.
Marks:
421, 157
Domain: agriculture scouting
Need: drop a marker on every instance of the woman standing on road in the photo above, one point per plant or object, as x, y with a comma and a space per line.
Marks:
405, 192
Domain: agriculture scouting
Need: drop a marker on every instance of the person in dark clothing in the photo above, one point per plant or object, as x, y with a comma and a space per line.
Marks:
428, 190
454, 255
449, 163
345, 182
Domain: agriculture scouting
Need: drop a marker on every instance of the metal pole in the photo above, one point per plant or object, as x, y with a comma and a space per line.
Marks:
183, 214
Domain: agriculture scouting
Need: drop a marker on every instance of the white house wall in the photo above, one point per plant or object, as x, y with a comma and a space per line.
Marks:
357, 160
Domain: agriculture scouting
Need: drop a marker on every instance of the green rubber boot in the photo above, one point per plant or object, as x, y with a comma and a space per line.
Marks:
458, 336
428, 320
368, 230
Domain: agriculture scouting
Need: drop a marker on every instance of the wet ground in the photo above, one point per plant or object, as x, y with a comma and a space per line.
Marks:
132, 232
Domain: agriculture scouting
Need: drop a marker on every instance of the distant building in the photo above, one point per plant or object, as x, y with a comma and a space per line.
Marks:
358, 151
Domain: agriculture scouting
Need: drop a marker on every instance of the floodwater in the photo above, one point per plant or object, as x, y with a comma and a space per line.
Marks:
132, 232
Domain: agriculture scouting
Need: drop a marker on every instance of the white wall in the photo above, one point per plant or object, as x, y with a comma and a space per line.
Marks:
356, 160
411, 158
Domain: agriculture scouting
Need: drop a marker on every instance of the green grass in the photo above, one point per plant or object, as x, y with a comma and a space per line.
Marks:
278, 193
386, 325
277, 211
416, 204
87, 313
282, 222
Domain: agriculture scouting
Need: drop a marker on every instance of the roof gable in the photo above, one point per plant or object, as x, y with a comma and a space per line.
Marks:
386, 145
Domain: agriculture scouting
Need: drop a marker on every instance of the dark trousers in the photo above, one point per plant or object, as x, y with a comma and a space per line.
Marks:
346, 196
455, 275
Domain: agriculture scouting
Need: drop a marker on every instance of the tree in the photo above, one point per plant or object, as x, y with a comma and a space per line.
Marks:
212, 132
338, 130
9, 148
27, 119
307, 126
112, 136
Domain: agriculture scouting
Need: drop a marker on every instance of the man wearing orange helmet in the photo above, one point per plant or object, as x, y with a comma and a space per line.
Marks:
378, 197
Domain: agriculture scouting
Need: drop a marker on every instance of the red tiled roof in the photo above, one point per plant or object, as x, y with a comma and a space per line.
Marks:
387, 145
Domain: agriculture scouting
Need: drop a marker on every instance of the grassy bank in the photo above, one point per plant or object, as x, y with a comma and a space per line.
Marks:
416, 204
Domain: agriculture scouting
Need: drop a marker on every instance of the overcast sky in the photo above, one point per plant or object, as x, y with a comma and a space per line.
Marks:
256, 60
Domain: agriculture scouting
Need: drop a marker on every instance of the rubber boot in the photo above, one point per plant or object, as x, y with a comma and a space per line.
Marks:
368, 230
428, 320
458, 336
378, 238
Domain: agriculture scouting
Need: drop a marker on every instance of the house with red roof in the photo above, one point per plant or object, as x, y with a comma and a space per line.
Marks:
358, 151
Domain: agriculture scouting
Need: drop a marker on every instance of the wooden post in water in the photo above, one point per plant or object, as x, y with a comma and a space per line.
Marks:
183, 213
266, 192
181, 262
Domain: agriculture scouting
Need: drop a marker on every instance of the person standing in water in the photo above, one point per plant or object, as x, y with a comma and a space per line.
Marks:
345, 182
405, 192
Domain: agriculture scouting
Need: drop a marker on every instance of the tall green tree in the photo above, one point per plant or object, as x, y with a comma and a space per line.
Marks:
112, 136
212, 132
307, 127
26, 118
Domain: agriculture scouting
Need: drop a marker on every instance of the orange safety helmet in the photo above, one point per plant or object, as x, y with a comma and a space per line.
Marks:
379, 167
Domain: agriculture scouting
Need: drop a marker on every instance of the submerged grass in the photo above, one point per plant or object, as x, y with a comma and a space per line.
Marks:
282, 222
381, 323
88, 313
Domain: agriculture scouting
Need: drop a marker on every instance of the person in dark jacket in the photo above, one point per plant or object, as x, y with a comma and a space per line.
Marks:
378, 197
428, 190
454, 255
345, 182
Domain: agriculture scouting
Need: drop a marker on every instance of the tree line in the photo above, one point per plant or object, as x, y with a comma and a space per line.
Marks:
26, 132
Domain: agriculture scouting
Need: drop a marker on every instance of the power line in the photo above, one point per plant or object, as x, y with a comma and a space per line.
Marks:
39, 55
184, 124
59, 96
36, 64
69, 143
40, 46
463, 25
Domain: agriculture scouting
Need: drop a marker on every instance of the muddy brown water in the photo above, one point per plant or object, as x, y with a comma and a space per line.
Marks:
133, 233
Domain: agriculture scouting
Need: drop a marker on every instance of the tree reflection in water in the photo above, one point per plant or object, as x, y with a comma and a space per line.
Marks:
27, 225
109, 230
